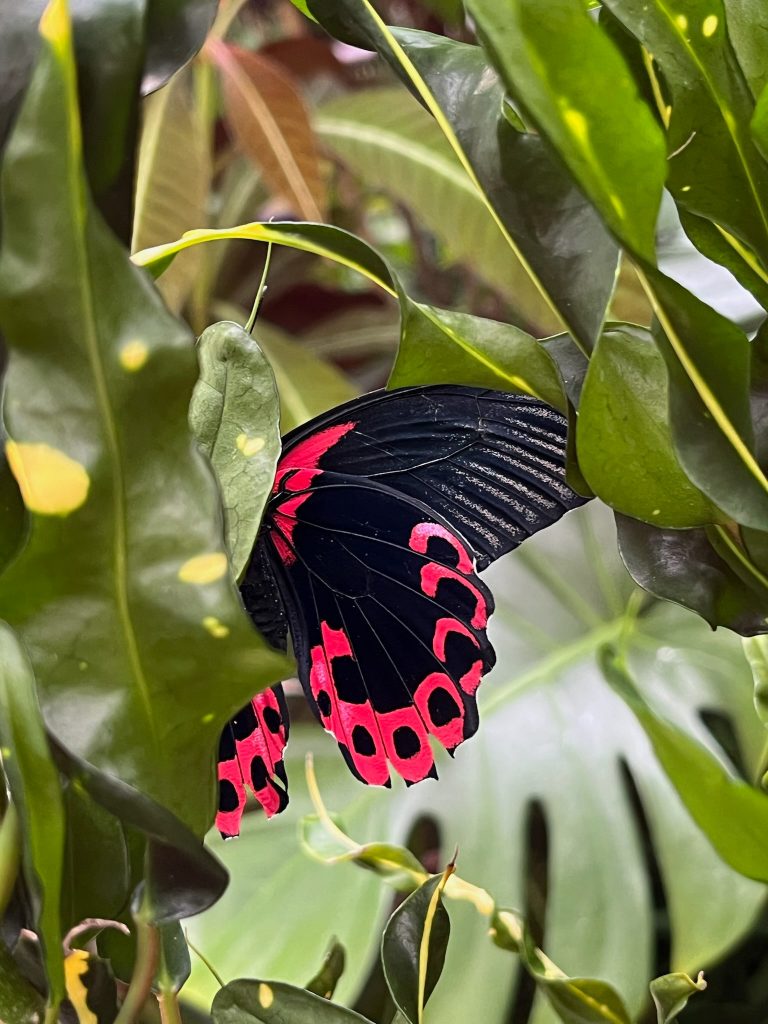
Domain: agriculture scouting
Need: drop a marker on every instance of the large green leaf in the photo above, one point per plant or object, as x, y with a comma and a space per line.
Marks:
572, 80
551, 732
731, 813
234, 414
748, 29
36, 792
270, 1002
389, 141
715, 169
623, 438
123, 595
535, 205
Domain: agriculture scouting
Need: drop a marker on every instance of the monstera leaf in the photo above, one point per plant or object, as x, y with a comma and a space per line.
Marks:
552, 734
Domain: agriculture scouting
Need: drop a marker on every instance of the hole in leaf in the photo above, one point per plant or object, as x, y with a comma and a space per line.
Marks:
720, 727
536, 876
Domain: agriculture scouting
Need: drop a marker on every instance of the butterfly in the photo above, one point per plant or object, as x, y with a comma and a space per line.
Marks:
382, 514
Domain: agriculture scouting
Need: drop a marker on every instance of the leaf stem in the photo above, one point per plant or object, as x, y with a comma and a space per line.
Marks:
260, 291
147, 958
169, 1006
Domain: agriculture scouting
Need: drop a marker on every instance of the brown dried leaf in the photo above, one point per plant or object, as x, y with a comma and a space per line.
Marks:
271, 126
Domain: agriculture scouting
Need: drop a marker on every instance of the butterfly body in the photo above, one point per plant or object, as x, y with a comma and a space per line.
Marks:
382, 514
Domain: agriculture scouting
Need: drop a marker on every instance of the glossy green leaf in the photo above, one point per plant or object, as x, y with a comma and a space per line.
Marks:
748, 29
671, 993
708, 359
123, 590
623, 439
98, 879
175, 964
396, 864
173, 135
715, 170
574, 83
760, 123
36, 792
273, 1002
14, 521
175, 31
327, 978
181, 876
390, 142
683, 566
533, 201
551, 732
234, 415
731, 813
441, 347
413, 948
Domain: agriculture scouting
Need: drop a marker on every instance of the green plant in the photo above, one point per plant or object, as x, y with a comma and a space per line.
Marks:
552, 136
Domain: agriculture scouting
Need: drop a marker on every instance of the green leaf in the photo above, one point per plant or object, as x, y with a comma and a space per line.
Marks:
387, 140
683, 566
708, 358
182, 877
98, 879
573, 82
413, 948
273, 1002
35, 790
551, 732
440, 347
760, 123
327, 978
175, 965
748, 29
715, 170
175, 31
532, 199
396, 864
173, 135
123, 594
623, 439
19, 1001
234, 415
731, 814
671, 993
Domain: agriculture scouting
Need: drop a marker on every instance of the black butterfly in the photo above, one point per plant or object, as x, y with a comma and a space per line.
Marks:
382, 514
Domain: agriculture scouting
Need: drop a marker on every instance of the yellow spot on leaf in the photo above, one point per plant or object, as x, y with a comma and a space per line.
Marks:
709, 25
249, 445
204, 568
266, 996
133, 355
51, 483
75, 966
682, 22
206, 719
686, 188
577, 124
214, 627
5, 752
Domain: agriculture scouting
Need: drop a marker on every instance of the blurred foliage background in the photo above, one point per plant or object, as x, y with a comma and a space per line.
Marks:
557, 806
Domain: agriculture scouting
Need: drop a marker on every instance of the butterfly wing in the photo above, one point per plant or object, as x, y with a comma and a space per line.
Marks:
382, 514
251, 747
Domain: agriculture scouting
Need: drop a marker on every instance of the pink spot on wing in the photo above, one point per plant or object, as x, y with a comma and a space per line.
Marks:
432, 574
470, 681
420, 537
335, 642
420, 764
228, 822
444, 627
451, 733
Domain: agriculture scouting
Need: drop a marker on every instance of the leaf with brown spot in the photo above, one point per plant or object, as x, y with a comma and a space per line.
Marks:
271, 126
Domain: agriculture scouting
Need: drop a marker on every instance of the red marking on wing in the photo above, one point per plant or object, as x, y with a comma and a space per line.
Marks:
449, 733
335, 642
307, 453
420, 537
471, 679
432, 574
228, 822
419, 764
443, 627
285, 520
